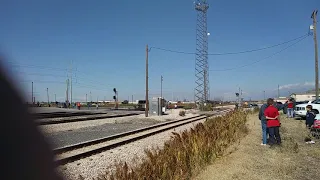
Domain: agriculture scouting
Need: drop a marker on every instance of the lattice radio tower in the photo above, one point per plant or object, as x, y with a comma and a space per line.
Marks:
202, 65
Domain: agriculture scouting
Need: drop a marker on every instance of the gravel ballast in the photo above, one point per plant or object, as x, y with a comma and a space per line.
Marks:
95, 165
60, 135
100, 163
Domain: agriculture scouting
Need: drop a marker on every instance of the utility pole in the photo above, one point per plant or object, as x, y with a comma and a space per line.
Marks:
55, 98
278, 91
264, 95
48, 95
241, 97
147, 87
90, 97
67, 91
132, 98
161, 86
71, 83
32, 93
87, 98
314, 17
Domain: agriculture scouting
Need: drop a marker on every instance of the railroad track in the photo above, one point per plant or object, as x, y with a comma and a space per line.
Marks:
62, 114
60, 120
81, 150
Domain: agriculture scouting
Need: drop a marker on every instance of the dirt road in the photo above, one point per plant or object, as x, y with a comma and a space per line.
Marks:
249, 160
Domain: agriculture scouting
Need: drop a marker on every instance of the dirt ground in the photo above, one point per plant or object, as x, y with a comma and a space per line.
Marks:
294, 159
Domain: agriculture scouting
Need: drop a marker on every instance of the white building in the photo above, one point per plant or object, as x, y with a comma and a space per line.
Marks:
310, 96
281, 99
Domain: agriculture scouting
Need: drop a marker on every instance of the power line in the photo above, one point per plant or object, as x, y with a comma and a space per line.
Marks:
278, 52
36, 66
40, 74
91, 87
57, 69
232, 53
60, 82
64, 76
40, 81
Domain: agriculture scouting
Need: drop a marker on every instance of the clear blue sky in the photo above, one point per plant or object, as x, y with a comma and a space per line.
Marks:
106, 41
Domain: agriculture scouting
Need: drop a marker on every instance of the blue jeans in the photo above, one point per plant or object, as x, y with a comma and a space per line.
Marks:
264, 131
290, 113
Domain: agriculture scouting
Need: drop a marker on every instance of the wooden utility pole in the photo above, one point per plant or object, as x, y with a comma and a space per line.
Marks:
71, 83
147, 87
161, 86
67, 91
32, 93
48, 95
314, 17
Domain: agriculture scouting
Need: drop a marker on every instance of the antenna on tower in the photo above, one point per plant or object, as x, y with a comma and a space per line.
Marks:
201, 65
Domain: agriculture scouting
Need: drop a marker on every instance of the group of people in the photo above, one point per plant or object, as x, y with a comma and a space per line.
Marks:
270, 122
270, 119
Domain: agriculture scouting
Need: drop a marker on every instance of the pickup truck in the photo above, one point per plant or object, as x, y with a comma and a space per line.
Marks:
301, 110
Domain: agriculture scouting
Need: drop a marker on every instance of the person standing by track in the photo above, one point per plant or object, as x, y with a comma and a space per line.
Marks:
271, 113
263, 120
290, 108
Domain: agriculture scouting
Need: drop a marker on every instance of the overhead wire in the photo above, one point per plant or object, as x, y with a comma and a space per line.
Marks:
270, 56
37, 66
60, 69
40, 74
81, 85
231, 53
57, 75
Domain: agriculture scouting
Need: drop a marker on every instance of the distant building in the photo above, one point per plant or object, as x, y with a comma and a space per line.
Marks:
308, 96
281, 99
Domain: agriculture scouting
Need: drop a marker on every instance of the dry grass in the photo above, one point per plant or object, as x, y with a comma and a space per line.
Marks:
182, 113
249, 160
186, 153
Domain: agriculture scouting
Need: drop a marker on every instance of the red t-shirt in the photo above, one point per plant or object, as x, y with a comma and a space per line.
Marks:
290, 105
272, 112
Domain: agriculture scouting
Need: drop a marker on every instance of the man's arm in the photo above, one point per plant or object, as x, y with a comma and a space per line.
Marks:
260, 113
278, 115
266, 114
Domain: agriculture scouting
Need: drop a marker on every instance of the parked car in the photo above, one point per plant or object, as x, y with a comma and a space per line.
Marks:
253, 105
301, 110
303, 102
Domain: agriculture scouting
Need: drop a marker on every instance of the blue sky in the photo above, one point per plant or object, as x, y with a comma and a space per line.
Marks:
106, 41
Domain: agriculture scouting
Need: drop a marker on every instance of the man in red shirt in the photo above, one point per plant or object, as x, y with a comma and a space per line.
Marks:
272, 115
290, 108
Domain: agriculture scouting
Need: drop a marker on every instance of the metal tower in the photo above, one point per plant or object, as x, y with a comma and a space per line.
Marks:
202, 65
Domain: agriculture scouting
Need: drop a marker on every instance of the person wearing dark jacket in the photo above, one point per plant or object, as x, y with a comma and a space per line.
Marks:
272, 115
264, 120
310, 116
263, 124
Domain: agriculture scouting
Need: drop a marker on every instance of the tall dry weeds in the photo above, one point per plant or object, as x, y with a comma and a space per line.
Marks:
186, 153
